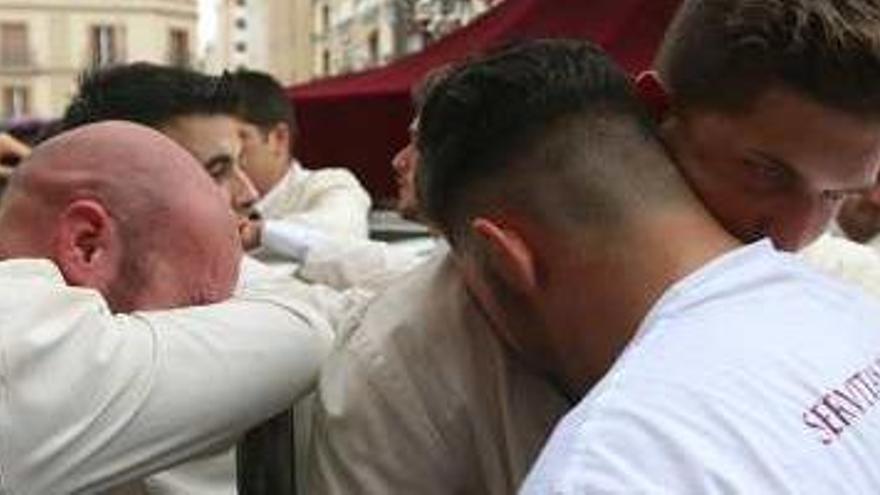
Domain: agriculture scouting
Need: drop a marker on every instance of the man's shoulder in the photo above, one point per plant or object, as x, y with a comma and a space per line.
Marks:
845, 260
33, 285
428, 303
330, 177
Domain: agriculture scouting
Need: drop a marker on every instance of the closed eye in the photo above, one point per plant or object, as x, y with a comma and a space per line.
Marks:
219, 167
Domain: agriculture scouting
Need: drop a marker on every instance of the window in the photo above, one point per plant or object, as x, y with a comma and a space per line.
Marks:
373, 48
241, 3
325, 19
241, 47
241, 23
14, 44
178, 48
325, 62
105, 45
16, 102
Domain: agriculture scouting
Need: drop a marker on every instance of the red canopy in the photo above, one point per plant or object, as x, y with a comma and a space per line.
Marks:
360, 120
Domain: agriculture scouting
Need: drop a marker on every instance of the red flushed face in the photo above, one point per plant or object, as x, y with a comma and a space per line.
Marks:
780, 169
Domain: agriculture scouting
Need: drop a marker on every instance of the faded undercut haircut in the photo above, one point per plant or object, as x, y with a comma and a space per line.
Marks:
551, 128
148, 94
723, 54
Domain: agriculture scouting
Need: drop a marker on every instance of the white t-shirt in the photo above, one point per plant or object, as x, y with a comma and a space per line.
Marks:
753, 375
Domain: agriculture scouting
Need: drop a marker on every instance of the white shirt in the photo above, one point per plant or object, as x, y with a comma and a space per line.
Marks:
423, 398
91, 399
329, 200
342, 262
753, 375
216, 474
847, 260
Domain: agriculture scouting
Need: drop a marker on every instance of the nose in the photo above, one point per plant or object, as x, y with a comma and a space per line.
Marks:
402, 160
801, 220
244, 194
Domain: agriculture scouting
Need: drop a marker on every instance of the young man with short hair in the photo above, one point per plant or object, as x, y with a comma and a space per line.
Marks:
330, 201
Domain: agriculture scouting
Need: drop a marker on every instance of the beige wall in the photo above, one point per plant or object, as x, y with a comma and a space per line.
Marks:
352, 22
58, 32
290, 40
277, 36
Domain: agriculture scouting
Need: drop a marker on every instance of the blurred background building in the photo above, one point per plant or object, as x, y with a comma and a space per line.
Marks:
352, 35
268, 35
299, 40
46, 44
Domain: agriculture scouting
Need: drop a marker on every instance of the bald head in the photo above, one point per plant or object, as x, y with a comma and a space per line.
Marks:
122, 209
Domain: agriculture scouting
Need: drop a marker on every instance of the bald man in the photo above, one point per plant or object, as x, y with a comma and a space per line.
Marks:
103, 232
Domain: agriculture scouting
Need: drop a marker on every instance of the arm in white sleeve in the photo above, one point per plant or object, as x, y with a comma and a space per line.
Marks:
290, 240
92, 399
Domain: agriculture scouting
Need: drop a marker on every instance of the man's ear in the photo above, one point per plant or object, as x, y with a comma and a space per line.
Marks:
86, 245
653, 94
511, 254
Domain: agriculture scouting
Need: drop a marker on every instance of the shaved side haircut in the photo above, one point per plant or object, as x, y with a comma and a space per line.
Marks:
549, 128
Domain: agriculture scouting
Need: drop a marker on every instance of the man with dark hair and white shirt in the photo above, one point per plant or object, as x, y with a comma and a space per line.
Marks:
293, 200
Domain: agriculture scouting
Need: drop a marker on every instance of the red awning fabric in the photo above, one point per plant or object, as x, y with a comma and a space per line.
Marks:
360, 120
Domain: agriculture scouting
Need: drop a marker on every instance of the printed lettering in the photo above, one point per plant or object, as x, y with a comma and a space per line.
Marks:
848, 399
862, 386
826, 435
873, 377
826, 419
842, 407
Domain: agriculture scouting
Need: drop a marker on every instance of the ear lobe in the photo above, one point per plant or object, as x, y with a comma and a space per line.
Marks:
84, 244
512, 255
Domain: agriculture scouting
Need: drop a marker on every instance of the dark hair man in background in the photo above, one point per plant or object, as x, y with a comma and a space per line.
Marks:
329, 200
195, 110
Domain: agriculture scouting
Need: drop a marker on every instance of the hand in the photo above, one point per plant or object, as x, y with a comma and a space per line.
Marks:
251, 231
12, 150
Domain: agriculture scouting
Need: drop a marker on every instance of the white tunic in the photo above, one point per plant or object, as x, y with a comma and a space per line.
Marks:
423, 398
91, 399
846, 260
330, 200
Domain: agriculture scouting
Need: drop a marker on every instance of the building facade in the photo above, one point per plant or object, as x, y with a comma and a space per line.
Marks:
273, 36
46, 44
353, 35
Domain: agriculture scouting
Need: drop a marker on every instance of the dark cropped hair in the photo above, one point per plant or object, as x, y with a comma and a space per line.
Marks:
147, 94
722, 54
555, 120
264, 103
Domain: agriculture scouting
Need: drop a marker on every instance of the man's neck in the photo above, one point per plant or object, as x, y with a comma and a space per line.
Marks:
284, 168
620, 282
